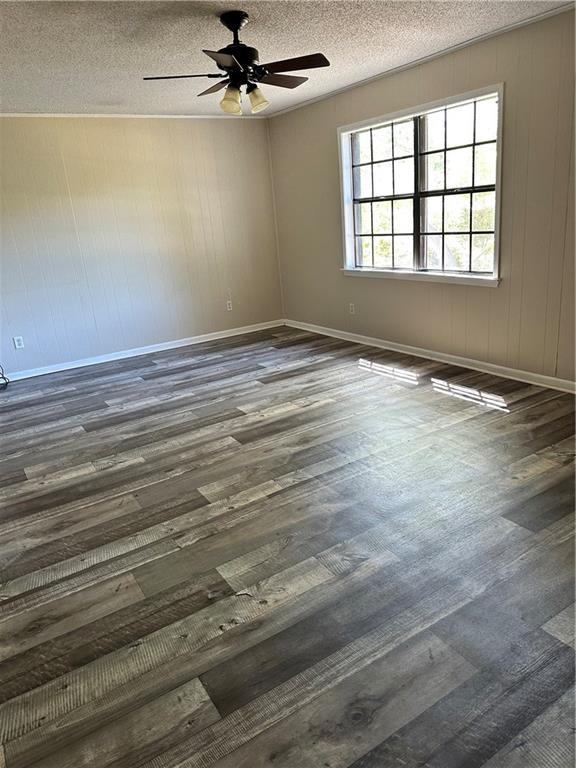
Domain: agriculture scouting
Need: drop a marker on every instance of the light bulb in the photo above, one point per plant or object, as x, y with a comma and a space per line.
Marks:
231, 101
257, 99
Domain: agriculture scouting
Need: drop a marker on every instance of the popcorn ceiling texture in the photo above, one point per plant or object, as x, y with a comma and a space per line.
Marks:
89, 57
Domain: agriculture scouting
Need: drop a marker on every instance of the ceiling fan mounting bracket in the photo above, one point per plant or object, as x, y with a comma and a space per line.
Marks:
234, 21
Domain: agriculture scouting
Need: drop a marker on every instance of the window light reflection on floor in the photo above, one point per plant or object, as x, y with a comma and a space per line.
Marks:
470, 394
390, 371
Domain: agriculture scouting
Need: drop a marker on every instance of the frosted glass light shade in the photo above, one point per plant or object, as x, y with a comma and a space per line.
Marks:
231, 101
257, 100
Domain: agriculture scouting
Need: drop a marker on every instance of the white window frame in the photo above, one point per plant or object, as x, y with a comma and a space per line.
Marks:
345, 156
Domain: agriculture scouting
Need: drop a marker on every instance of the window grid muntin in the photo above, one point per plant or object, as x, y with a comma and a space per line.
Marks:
473, 180
371, 205
419, 195
393, 191
416, 205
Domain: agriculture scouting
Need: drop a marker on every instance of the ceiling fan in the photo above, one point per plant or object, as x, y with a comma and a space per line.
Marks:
240, 67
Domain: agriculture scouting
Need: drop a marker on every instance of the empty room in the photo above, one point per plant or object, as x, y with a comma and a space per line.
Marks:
287, 391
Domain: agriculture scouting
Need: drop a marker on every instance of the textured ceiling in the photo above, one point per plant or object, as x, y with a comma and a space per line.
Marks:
89, 57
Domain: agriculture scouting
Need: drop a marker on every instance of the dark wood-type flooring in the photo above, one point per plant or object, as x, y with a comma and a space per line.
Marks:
289, 551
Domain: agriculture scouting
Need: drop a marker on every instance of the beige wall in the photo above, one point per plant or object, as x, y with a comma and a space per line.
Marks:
121, 233
526, 323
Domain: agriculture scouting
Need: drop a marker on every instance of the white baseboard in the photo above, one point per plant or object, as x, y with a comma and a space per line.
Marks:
16, 376
498, 370
538, 379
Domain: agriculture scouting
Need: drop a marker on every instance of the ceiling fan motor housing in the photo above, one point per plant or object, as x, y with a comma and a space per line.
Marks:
246, 56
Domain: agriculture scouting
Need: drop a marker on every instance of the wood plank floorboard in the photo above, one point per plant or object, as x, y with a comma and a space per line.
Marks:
282, 550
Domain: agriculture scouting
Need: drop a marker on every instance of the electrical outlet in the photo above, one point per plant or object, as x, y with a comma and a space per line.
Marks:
18, 342
229, 305
352, 308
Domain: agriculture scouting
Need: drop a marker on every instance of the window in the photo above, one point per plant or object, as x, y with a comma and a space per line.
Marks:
420, 192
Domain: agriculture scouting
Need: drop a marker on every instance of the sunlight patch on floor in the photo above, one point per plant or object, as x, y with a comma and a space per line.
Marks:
470, 394
390, 371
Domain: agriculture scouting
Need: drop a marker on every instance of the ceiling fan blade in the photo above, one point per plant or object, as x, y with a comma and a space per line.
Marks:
215, 87
299, 62
224, 60
283, 81
178, 77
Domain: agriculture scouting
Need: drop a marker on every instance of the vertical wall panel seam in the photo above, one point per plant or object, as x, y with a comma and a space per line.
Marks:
565, 54
275, 218
565, 249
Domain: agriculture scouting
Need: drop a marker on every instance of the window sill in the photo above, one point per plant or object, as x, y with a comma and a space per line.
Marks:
428, 277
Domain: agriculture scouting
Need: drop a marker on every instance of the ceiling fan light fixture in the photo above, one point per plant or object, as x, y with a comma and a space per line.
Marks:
239, 66
231, 101
258, 101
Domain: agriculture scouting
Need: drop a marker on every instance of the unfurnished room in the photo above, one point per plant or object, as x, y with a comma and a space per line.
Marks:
287, 388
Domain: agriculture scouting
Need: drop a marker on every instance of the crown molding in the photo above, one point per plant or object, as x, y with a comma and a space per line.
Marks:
132, 116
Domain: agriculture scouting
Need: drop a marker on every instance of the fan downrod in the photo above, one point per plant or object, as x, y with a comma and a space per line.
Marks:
234, 21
